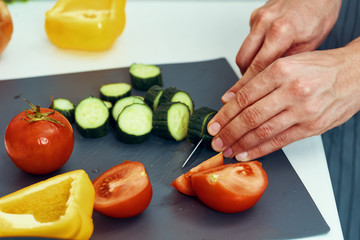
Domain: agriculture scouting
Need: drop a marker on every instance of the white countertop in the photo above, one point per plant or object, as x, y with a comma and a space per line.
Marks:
159, 32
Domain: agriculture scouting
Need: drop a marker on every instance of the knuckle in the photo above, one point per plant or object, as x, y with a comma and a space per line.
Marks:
300, 88
242, 98
257, 65
227, 135
280, 27
251, 117
265, 15
282, 68
264, 131
278, 141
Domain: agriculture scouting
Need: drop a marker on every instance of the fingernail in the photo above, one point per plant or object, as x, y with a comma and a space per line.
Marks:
214, 128
228, 153
242, 157
227, 96
217, 144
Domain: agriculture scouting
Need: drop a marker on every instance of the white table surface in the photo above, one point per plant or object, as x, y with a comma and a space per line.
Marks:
160, 32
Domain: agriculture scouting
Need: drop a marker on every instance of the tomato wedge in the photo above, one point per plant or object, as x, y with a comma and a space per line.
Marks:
123, 191
183, 182
231, 188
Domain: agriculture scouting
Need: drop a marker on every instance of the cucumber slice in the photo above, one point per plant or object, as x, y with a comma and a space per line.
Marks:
108, 104
144, 76
92, 117
170, 120
152, 96
198, 125
65, 107
114, 91
122, 103
172, 94
134, 123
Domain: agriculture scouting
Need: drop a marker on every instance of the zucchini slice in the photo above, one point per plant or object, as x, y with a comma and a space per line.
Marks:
122, 103
92, 117
152, 96
134, 123
114, 91
143, 76
172, 94
197, 128
170, 120
65, 107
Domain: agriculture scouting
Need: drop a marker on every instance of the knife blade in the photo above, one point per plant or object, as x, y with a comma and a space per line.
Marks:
193, 151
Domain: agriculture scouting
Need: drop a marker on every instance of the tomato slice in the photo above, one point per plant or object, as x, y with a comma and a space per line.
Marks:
231, 188
183, 182
123, 191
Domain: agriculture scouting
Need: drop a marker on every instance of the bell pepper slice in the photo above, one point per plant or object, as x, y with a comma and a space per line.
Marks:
90, 25
59, 207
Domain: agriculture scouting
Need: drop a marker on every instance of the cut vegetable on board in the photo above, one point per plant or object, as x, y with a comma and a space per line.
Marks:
92, 117
172, 94
114, 91
122, 103
144, 76
65, 107
58, 207
123, 191
152, 96
134, 123
170, 121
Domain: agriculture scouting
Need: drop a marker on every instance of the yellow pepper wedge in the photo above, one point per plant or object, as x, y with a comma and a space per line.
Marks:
59, 207
92, 25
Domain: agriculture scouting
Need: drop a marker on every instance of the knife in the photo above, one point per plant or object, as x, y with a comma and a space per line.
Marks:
193, 151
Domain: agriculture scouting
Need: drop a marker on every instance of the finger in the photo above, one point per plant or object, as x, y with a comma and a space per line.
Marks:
281, 140
247, 95
261, 134
247, 120
277, 41
251, 45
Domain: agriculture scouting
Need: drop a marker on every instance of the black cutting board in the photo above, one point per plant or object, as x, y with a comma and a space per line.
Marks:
286, 209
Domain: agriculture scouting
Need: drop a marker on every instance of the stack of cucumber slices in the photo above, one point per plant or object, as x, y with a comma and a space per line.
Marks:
166, 112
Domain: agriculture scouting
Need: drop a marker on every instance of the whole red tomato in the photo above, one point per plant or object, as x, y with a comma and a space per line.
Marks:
6, 26
123, 191
231, 188
39, 140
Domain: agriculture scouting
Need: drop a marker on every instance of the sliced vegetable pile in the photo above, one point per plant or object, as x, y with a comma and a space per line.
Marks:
228, 188
38, 134
168, 113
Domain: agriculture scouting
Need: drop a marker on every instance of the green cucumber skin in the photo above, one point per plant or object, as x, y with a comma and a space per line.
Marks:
129, 138
151, 95
114, 99
97, 132
143, 84
198, 126
69, 114
168, 95
94, 132
160, 123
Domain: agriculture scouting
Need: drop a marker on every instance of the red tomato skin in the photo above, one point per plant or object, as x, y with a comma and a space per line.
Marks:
183, 182
6, 26
39, 147
218, 197
128, 206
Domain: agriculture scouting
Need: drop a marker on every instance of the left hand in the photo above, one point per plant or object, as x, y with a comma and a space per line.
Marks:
295, 97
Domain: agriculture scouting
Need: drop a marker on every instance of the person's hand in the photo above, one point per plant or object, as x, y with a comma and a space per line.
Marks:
295, 97
282, 28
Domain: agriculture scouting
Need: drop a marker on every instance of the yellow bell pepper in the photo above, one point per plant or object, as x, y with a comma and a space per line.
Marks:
92, 25
59, 207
